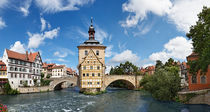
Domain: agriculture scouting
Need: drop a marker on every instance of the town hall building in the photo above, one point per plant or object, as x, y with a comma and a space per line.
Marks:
91, 63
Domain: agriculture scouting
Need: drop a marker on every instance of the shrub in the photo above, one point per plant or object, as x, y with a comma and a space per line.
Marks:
8, 90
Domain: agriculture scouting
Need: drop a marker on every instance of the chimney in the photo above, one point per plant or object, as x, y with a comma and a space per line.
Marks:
26, 55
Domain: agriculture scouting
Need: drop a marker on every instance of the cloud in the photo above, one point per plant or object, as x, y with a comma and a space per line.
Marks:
53, 6
2, 23
35, 40
177, 48
138, 10
109, 52
126, 55
43, 22
18, 47
25, 7
3, 3
61, 55
182, 13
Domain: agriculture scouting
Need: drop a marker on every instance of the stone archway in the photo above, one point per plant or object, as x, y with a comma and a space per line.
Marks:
60, 84
126, 83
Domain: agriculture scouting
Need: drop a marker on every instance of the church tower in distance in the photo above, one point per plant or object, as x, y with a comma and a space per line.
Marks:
91, 63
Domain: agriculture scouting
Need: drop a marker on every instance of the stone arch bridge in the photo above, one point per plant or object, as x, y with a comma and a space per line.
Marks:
59, 81
131, 80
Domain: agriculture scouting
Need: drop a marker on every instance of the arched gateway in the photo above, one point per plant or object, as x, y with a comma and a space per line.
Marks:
57, 83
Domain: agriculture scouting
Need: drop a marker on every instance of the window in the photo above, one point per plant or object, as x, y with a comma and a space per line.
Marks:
93, 74
15, 75
0, 73
194, 79
87, 61
16, 62
21, 82
87, 74
99, 74
86, 52
30, 81
83, 75
16, 69
84, 83
20, 69
97, 53
203, 79
11, 68
98, 82
20, 75
84, 67
98, 67
91, 67
23, 75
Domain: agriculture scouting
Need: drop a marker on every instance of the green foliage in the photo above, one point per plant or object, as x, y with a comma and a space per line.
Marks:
164, 84
125, 68
8, 90
45, 82
200, 35
25, 84
159, 64
42, 75
48, 76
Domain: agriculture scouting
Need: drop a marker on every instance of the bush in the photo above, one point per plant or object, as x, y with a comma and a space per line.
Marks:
164, 84
8, 90
45, 82
48, 76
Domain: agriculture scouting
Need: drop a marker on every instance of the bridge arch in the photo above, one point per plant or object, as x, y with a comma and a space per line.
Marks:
126, 79
57, 84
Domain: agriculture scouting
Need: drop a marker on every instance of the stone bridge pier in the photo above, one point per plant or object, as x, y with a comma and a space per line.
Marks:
131, 80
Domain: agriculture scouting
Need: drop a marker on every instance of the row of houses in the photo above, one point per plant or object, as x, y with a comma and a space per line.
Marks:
24, 69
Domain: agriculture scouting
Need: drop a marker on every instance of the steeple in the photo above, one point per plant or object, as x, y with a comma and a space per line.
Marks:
91, 31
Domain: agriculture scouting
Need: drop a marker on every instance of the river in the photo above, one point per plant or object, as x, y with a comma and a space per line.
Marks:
115, 100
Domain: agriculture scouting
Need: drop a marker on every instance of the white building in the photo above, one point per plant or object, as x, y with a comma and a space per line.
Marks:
22, 69
59, 71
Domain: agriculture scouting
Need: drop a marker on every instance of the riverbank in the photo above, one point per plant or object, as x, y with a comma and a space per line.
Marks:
195, 97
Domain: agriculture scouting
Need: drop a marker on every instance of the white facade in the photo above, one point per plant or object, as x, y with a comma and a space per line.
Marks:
59, 71
22, 72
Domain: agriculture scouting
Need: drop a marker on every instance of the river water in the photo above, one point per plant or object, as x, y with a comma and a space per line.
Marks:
115, 100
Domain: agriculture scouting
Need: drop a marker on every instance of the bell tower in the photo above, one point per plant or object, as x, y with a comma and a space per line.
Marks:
91, 31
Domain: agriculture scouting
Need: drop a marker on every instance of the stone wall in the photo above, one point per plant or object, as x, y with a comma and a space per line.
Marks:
195, 97
34, 89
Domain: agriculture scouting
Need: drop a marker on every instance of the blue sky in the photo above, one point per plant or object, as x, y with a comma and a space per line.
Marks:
140, 31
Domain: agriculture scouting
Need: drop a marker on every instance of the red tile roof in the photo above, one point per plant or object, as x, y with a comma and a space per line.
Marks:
24, 57
58, 66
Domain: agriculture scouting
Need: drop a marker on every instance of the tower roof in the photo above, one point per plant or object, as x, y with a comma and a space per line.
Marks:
91, 41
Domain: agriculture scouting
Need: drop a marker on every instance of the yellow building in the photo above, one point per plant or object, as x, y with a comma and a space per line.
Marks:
3, 73
91, 63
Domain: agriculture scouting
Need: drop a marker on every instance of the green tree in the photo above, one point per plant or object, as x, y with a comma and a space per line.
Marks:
164, 84
200, 35
125, 68
158, 65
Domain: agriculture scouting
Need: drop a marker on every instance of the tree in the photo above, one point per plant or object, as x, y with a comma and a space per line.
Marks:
125, 68
165, 83
200, 35
158, 65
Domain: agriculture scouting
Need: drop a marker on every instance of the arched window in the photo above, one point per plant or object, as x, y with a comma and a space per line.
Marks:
91, 67
84, 67
86, 52
203, 79
98, 67
194, 79
97, 53
93, 74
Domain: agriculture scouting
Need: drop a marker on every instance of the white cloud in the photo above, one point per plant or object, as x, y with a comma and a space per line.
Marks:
61, 55
18, 47
138, 10
126, 55
177, 48
3, 3
52, 33
2, 23
52, 6
183, 13
35, 40
25, 7
109, 52
43, 22
100, 34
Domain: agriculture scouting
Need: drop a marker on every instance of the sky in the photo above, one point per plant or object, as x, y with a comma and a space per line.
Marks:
139, 31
